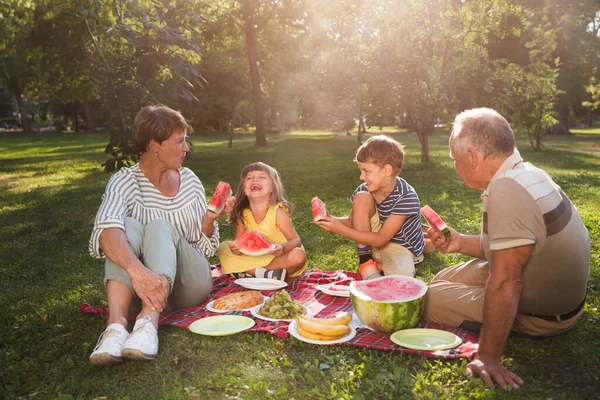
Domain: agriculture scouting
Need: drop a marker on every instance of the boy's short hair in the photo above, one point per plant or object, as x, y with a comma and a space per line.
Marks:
381, 150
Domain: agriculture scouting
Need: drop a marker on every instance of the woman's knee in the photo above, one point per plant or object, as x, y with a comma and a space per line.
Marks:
134, 231
158, 224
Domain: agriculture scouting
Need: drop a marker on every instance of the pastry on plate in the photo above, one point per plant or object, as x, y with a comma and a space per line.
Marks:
239, 300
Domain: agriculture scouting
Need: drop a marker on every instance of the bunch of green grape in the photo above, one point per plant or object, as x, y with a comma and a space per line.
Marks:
281, 306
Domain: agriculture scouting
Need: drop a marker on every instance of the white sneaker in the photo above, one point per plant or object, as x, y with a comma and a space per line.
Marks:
143, 342
418, 259
109, 349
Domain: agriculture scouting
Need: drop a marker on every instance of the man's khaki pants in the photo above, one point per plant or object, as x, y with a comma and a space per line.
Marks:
394, 258
456, 294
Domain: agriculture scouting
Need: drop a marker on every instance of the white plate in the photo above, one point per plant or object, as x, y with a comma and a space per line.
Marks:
210, 307
335, 290
254, 312
293, 330
260, 283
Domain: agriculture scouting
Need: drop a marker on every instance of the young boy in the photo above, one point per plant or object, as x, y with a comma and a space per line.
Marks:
385, 220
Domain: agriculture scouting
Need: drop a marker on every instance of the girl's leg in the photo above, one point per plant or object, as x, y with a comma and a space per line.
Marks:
292, 261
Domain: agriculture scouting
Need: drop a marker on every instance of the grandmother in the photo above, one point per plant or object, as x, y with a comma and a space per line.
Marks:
155, 233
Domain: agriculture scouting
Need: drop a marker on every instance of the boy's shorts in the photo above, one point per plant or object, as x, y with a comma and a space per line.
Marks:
395, 259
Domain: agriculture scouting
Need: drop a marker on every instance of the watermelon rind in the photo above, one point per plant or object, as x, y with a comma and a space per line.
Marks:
222, 192
388, 316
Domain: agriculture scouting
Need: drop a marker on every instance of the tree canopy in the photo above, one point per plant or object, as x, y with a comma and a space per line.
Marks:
313, 64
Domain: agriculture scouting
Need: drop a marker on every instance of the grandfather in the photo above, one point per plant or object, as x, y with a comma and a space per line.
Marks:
532, 256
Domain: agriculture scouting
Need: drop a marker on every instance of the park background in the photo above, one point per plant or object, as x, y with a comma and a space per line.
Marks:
296, 84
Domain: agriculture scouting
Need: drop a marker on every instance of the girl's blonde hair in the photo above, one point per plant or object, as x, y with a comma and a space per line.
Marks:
277, 194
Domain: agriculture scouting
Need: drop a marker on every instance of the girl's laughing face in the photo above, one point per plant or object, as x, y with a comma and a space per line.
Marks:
257, 184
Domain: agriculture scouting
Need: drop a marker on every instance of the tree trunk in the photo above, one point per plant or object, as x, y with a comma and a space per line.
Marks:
282, 130
76, 119
231, 128
423, 134
562, 108
25, 120
588, 117
88, 116
249, 10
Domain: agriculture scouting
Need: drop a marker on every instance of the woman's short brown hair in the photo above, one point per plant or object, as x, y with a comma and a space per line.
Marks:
381, 150
157, 123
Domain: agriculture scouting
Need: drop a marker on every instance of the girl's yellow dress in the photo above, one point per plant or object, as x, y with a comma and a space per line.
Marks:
268, 228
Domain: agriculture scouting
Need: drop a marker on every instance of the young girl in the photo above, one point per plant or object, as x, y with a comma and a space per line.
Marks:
261, 206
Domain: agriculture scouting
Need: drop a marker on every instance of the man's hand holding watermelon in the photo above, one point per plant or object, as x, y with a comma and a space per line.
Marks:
456, 243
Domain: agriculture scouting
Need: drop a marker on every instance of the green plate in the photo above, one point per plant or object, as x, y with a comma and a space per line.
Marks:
221, 325
425, 339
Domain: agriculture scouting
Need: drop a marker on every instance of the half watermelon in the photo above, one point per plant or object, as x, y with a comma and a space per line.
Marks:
435, 221
222, 193
319, 210
253, 243
389, 303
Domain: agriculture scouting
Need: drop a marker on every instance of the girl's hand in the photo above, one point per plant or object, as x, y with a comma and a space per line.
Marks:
235, 249
277, 249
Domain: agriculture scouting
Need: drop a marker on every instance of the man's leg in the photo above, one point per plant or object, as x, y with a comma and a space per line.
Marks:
456, 294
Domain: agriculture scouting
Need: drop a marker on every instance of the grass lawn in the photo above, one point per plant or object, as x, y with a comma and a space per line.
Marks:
51, 187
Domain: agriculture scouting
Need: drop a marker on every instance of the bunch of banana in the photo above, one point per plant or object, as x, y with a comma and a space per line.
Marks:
323, 329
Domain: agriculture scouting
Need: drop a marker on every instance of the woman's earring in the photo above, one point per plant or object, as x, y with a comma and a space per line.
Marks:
156, 154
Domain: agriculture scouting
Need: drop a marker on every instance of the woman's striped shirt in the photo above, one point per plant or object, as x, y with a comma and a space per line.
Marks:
402, 201
130, 194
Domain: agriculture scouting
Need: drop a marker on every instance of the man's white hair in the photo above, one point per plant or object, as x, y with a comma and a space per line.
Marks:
483, 129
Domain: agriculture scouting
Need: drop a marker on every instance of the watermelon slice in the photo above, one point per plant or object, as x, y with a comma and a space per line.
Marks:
222, 193
319, 211
435, 221
253, 244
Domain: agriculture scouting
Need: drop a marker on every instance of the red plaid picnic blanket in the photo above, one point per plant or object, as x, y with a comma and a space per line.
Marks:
303, 289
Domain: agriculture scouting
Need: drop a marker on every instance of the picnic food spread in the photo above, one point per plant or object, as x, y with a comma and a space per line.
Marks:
222, 193
319, 211
389, 303
239, 300
281, 306
435, 221
253, 243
